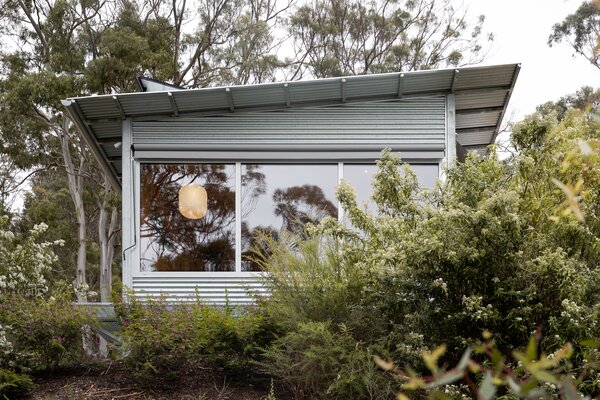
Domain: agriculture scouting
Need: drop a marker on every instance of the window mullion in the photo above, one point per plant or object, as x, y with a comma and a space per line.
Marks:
340, 177
238, 217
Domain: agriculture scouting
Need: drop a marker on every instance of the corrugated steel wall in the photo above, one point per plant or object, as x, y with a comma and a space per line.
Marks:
210, 289
403, 123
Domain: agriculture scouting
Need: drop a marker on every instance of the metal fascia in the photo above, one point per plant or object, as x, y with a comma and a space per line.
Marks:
89, 139
512, 86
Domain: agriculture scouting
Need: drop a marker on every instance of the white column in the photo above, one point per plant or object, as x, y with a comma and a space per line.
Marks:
129, 212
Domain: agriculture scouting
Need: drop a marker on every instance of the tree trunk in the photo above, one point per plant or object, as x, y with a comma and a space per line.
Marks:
107, 227
75, 180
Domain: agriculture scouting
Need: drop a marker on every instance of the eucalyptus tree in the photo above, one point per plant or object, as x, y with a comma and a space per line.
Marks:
349, 37
586, 99
48, 47
581, 30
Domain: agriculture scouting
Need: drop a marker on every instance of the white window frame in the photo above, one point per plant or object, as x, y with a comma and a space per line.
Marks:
136, 255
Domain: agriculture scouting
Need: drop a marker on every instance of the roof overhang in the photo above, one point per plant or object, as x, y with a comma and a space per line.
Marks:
481, 97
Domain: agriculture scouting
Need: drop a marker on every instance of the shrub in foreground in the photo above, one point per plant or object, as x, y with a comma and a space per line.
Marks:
14, 385
162, 340
45, 333
316, 362
510, 246
483, 372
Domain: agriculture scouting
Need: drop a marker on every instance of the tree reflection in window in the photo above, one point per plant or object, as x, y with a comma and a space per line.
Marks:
170, 241
283, 197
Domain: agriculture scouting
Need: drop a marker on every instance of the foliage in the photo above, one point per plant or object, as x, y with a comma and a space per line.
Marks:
487, 373
317, 362
39, 328
14, 385
49, 201
585, 99
350, 37
44, 333
24, 266
581, 30
512, 246
162, 340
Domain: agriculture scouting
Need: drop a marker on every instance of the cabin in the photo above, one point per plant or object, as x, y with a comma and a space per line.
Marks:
204, 172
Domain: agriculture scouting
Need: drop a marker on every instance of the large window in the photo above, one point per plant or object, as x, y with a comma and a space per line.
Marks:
192, 219
172, 241
360, 177
284, 197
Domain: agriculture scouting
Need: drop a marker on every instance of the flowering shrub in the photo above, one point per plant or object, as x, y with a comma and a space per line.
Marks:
39, 329
23, 266
511, 246
44, 332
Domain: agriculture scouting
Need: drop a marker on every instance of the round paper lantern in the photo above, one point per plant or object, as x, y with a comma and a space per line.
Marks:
193, 201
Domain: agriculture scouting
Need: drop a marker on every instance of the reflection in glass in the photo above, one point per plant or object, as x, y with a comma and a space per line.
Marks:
360, 176
284, 197
172, 242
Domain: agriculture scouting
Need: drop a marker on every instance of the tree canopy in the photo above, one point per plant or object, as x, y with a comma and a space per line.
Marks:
581, 30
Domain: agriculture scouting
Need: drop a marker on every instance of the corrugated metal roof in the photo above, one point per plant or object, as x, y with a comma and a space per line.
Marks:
482, 94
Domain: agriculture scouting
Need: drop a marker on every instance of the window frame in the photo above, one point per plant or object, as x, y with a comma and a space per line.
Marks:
257, 158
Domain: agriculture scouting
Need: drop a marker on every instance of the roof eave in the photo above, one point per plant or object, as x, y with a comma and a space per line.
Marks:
90, 140
508, 96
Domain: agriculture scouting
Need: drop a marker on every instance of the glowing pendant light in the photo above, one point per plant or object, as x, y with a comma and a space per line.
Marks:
193, 201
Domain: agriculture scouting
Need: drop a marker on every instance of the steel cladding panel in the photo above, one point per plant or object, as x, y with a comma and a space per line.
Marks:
403, 123
410, 121
209, 289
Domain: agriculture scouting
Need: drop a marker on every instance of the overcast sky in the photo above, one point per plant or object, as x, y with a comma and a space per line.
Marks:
521, 29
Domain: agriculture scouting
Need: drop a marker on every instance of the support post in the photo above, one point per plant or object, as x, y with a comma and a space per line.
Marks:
450, 130
129, 216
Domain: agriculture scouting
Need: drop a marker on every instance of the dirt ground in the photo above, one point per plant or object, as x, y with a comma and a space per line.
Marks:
110, 381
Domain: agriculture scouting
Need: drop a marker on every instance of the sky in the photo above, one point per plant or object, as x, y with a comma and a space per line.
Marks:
521, 29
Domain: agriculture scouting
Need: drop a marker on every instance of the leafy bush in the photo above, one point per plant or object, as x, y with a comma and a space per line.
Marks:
317, 362
313, 283
13, 385
44, 333
23, 266
511, 246
40, 328
162, 340
485, 373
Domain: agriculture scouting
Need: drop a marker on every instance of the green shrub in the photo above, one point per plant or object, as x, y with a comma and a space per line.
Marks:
45, 333
313, 283
483, 372
13, 385
318, 361
162, 339
24, 262
511, 246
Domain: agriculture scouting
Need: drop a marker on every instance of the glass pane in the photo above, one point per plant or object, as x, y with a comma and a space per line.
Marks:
173, 242
427, 174
360, 176
284, 197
